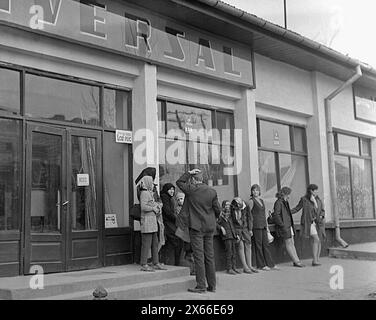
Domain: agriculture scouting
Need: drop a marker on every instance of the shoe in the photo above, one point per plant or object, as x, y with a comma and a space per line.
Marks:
210, 289
316, 264
266, 268
231, 271
298, 264
236, 271
275, 268
147, 268
158, 266
254, 270
247, 271
197, 290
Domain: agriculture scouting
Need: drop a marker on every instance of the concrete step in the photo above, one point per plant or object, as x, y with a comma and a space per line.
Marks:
363, 251
65, 284
135, 291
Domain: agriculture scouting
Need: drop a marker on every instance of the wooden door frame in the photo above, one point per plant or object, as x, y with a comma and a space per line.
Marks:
52, 130
70, 234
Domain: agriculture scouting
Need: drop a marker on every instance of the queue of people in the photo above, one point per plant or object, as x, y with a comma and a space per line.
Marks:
181, 225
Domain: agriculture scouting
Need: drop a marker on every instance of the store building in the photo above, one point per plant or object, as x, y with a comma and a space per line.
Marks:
72, 73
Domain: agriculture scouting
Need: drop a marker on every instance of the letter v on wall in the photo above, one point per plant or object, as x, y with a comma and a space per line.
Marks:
51, 9
5, 6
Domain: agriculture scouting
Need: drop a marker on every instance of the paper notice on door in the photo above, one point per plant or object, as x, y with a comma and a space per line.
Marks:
83, 180
110, 221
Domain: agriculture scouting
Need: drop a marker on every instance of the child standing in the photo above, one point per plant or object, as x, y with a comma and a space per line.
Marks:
229, 236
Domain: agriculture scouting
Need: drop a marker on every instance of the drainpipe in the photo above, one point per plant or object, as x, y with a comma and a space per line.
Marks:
330, 143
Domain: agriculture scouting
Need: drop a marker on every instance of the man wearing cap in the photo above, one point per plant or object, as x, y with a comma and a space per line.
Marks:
201, 209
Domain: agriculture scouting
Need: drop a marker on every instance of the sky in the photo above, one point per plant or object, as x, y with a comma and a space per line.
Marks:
344, 25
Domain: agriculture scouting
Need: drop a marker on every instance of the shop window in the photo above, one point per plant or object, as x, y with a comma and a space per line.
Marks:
116, 179
353, 170
191, 137
115, 109
10, 174
61, 100
348, 144
364, 104
274, 135
282, 162
10, 91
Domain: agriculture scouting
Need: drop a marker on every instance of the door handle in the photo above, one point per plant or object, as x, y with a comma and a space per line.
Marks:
65, 203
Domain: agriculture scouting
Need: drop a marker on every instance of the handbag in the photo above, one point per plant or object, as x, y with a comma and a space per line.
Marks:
270, 236
135, 212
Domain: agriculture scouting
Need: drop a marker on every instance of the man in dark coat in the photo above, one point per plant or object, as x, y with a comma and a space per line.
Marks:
201, 209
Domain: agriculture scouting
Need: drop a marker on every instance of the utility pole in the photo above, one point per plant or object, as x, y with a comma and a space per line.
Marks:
285, 12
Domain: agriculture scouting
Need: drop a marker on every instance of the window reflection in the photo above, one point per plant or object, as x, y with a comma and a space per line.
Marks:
10, 91
115, 109
46, 182
362, 188
84, 197
343, 187
116, 179
61, 100
10, 169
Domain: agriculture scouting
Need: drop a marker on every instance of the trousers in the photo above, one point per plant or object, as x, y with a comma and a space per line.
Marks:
203, 255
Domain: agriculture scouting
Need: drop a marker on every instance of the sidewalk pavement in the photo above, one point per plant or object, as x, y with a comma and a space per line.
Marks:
291, 283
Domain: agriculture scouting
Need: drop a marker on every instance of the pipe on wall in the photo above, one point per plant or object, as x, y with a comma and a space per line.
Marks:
330, 144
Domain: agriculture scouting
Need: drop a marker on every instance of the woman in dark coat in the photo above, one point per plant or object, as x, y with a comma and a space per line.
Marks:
264, 260
242, 220
284, 224
174, 245
312, 220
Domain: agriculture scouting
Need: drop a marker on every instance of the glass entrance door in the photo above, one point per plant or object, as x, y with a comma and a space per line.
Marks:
46, 196
63, 229
84, 193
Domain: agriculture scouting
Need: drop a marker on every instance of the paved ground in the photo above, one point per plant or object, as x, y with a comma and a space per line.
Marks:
310, 283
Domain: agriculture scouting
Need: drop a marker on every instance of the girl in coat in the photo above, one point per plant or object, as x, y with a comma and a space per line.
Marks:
150, 213
229, 237
242, 220
312, 220
284, 224
174, 245
264, 260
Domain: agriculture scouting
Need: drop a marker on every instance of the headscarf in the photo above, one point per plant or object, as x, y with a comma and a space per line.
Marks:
147, 183
149, 171
167, 187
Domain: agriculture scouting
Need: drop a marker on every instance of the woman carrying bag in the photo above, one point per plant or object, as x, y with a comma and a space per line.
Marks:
312, 220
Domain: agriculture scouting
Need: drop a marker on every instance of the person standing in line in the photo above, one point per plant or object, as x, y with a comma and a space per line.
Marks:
174, 245
201, 209
264, 260
229, 236
150, 209
312, 220
284, 224
242, 220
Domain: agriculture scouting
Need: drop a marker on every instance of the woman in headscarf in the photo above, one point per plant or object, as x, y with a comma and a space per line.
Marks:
174, 245
284, 224
242, 220
150, 213
312, 220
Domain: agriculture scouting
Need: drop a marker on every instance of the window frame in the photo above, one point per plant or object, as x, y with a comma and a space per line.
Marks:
351, 156
100, 127
163, 117
277, 152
